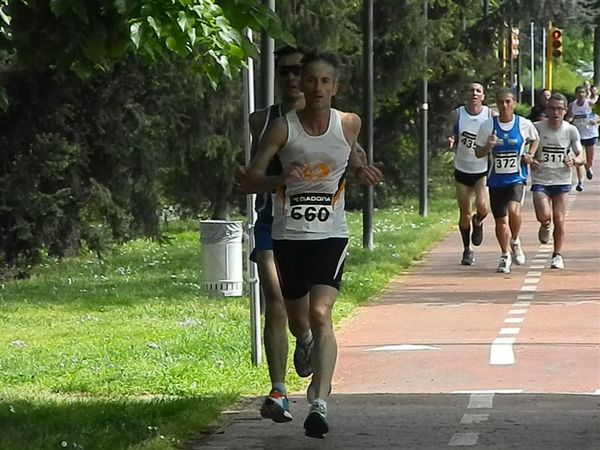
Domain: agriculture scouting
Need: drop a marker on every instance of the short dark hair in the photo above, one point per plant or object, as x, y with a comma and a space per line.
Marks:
579, 87
506, 90
480, 83
559, 97
288, 50
327, 57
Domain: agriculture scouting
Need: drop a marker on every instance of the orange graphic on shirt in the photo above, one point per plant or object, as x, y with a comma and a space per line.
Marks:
316, 171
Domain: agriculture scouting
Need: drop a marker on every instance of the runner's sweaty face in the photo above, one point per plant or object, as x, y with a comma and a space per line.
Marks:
288, 75
506, 106
475, 94
319, 84
556, 111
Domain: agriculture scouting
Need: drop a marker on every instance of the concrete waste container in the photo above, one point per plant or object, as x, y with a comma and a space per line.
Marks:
221, 249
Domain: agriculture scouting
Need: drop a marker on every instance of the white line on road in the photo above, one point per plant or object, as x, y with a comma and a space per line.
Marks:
525, 297
522, 303
514, 320
490, 391
464, 439
468, 419
509, 331
533, 273
517, 311
528, 288
401, 348
501, 352
483, 400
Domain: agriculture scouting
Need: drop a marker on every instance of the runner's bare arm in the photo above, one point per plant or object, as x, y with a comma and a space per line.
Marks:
452, 137
482, 152
274, 139
368, 174
256, 123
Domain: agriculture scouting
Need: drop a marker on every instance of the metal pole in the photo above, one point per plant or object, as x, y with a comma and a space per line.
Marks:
368, 118
267, 64
519, 93
532, 60
544, 75
511, 60
255, 333
424, 109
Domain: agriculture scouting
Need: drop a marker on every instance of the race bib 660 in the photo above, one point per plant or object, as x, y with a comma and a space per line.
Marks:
310, 212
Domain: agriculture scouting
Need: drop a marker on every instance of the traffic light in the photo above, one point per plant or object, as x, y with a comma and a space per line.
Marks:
514, 43
556, 42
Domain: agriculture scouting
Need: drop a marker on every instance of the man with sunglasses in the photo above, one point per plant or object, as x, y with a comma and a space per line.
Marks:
316, 147
560, 149
275, 405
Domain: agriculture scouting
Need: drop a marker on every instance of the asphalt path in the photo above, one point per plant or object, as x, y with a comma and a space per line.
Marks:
456, 356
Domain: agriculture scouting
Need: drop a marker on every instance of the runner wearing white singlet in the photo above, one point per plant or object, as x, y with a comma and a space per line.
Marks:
309, 227
581, 114
469, 170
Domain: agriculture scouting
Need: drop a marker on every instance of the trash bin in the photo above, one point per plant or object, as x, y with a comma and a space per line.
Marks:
221, 242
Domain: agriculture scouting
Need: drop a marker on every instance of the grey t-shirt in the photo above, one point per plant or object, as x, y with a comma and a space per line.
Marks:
554, 146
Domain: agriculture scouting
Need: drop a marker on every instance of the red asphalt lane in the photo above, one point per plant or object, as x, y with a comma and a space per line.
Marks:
458, 311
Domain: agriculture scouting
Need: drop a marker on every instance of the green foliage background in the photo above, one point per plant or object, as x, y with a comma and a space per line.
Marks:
121, 114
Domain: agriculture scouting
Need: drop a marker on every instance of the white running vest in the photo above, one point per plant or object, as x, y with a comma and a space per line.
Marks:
467, 126
314, 207
584, 120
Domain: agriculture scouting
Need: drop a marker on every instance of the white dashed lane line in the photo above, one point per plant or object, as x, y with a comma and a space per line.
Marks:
501, 349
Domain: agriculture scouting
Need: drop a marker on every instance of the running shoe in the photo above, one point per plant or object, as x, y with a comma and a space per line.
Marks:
557, 262
504, 265
544, 233
477, 235
302, 358
276, 407
315, 424
468, 258
589, 174
517, 251
579, 187
310, 392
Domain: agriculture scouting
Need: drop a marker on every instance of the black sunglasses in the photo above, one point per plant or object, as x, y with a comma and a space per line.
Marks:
294, 69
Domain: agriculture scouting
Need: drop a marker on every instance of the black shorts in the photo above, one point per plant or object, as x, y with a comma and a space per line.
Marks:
500, 197
307, 263
468, 179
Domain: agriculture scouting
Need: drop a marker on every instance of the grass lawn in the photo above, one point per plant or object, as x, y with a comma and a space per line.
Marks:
126, 352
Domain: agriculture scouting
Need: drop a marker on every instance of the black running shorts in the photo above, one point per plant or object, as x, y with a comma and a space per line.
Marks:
307, 263
499, 198
468, 179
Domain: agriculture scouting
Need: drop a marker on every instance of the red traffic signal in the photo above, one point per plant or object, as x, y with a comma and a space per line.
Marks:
556, 43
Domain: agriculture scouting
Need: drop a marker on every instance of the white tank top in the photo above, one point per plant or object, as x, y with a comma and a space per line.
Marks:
466, 130
314, 207
584, 120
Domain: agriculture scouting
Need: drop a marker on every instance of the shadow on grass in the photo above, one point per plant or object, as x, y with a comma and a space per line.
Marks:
82, 423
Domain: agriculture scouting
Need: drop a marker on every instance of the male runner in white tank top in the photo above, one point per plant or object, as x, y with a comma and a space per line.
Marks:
581, 114
310, 235
275, 405
469, 170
